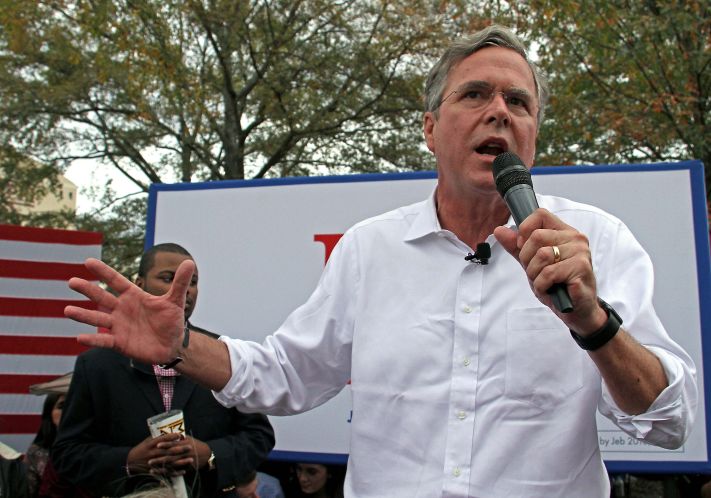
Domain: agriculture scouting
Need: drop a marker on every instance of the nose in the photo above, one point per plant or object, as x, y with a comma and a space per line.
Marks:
497, 111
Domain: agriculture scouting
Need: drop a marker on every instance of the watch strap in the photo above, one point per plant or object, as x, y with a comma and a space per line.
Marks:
186, 340
171, 363
604, 334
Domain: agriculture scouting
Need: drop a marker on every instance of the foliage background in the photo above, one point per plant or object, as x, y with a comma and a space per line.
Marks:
207, 90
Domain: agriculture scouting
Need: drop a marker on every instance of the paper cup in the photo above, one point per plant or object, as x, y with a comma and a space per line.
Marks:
170, 422
167, 423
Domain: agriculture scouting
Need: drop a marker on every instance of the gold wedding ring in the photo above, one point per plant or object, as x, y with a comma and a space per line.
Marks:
556, 254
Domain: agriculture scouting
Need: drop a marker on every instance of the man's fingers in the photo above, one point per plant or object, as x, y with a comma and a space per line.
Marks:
507, 238
101, 297
90, 317
168, 440
108, 275
541, 218
181, 282
170, 461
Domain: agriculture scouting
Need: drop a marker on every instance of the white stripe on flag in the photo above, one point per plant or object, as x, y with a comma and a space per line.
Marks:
19, 404
37, 289
33, 326
40, 251
36, 364
19, 442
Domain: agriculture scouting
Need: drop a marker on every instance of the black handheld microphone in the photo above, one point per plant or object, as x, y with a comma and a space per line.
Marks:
513, 181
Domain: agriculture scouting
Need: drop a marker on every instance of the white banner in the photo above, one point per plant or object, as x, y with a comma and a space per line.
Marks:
260, 247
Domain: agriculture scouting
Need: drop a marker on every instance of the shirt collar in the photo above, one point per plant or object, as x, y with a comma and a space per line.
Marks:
426, 221
162, 372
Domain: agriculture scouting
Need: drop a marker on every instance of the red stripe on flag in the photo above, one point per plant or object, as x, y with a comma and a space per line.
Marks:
20, 424
20, 383
50, 235
10, 268
45, 308
30, 345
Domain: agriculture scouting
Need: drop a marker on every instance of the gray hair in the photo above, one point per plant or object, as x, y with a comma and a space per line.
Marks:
492, 36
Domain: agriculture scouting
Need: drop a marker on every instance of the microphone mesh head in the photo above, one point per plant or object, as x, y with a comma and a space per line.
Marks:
509, 171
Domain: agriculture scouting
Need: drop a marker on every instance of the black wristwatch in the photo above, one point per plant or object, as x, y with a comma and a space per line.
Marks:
601, 336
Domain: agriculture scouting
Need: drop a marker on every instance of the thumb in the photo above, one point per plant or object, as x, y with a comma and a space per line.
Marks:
508, 239
181, 282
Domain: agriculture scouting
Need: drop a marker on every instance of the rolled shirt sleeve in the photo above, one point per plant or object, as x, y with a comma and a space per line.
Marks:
670, 417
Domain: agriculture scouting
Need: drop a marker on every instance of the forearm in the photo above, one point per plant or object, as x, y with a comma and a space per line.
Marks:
634, 376
206, 361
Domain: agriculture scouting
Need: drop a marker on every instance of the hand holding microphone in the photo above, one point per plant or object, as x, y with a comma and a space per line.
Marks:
513, 182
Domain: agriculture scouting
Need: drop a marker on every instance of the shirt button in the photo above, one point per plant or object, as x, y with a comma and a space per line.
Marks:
467, 309
456, 472
466, 362
461, 415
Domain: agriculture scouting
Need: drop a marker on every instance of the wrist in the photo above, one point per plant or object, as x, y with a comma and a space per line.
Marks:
179, 357
604, 334
597, 321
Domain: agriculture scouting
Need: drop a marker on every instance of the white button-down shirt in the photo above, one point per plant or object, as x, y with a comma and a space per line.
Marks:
463, 383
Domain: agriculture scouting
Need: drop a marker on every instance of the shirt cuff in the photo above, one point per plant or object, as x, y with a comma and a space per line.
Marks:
228, 396
667, 406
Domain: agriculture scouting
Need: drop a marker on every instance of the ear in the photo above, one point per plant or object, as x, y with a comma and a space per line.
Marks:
139, 282
429, 121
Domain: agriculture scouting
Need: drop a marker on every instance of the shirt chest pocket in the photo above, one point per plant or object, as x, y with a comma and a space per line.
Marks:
544, 366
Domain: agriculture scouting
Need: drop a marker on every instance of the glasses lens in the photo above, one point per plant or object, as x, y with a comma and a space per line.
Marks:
478, 96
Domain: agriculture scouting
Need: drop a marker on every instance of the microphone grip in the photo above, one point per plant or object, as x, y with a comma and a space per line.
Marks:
521, 201
561, 298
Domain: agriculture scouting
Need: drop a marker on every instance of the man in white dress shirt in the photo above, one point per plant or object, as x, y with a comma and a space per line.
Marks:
466, 381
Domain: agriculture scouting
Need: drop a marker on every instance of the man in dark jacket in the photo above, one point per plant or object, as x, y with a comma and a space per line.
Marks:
104, 443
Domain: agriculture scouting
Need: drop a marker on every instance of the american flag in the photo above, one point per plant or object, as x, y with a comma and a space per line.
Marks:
37, 343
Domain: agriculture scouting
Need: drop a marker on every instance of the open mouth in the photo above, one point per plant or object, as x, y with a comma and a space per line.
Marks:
492, 148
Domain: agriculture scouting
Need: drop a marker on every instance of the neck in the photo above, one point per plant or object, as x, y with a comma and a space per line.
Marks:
472, 222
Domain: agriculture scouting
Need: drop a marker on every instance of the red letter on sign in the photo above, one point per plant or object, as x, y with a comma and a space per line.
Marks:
329, 241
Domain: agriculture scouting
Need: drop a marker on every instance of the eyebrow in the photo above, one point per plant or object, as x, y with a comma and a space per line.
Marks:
475, 84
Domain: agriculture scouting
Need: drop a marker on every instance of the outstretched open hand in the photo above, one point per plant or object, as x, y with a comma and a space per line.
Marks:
139, 325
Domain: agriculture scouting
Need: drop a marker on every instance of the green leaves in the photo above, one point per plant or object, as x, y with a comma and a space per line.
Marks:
198, 90
631, 80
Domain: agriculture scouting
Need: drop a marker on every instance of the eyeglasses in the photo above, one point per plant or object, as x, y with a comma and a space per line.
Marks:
518, 102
